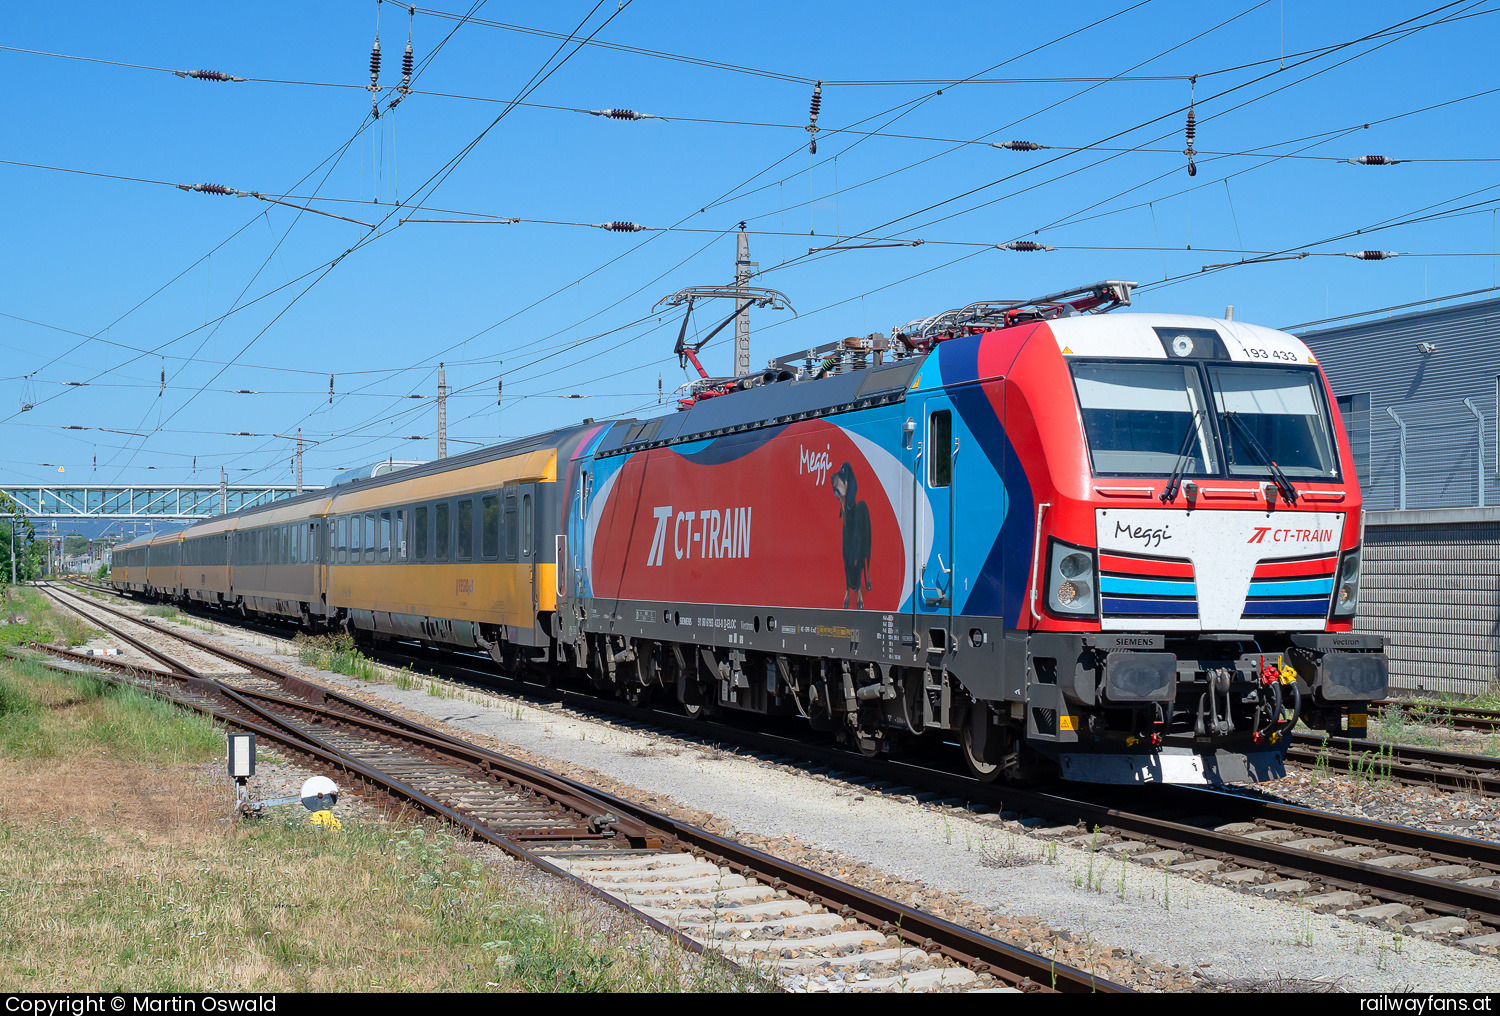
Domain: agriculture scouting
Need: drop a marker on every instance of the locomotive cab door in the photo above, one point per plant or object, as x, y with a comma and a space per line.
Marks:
934, 576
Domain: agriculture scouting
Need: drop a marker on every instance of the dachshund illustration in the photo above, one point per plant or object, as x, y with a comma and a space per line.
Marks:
856, 516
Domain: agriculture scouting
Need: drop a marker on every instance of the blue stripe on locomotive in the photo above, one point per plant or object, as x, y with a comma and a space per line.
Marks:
1003, 541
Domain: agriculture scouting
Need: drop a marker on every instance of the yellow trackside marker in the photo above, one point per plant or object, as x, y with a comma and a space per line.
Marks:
326, 819
1067, 723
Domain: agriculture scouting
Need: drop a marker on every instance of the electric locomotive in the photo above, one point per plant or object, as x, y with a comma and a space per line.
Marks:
1123, 548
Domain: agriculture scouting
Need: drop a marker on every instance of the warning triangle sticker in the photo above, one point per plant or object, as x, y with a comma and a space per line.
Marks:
1066, 350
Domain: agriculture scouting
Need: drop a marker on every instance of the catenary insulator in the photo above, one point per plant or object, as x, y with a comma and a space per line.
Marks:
211, 188
622, 227
1192, 134
1024, 245
203, 75
1374, 160
1370, 255
406, 66
374, 86
1019, 146
813, 109
623, 114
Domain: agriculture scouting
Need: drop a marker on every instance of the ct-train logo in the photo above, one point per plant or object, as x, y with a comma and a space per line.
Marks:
1266, 534
714, 534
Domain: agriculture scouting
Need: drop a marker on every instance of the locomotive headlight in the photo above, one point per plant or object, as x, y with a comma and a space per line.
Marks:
1346, 589
1070, 580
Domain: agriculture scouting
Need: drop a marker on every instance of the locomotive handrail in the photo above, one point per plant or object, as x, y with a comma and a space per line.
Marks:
1036, 548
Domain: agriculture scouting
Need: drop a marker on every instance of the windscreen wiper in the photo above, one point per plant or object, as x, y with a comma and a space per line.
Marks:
1174, 481
1284, 485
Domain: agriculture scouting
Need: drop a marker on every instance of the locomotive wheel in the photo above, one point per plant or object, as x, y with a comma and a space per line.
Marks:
984, 772
637, 695
695, 710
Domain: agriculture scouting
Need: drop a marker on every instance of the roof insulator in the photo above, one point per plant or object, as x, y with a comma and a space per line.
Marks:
213, 188
1018, 146
1371, 255
813, 108
203, 75
1023, 245
620, 227
1375, 160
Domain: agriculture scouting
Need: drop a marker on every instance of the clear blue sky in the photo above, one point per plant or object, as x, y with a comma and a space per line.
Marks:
124, 262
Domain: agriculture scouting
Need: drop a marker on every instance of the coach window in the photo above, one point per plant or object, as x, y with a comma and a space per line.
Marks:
512, 528
465, 529
440, 535
336, 532
940, 449
490, 524
419, 532
398, 536
385, 537
369, 537
526, 523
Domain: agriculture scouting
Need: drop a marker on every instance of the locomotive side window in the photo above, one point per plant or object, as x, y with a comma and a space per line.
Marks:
440, 540
465, 529
490, 526
419, 532
940, 449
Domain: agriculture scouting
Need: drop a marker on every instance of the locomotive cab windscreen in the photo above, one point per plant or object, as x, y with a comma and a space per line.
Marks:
1191, 419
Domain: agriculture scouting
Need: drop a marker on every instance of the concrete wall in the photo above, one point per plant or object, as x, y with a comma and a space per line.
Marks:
1431, 584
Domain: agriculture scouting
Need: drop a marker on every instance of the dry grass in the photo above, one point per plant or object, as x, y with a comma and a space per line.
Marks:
123, 870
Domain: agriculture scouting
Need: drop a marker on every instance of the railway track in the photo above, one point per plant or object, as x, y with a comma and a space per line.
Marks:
713, 894
1375, 760
1446, 714
1429, 883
